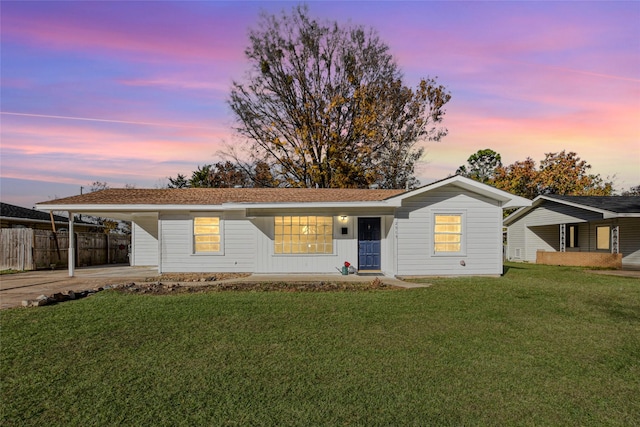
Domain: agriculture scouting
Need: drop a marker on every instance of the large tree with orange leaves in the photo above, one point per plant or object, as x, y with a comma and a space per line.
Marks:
325, 106
562, 173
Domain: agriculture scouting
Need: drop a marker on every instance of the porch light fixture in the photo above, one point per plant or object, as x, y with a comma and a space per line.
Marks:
343, 218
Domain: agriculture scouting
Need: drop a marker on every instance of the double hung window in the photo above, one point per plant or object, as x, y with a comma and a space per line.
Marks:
448, 233
207, 237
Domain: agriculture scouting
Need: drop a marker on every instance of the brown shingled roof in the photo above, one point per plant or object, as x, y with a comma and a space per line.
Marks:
218, 196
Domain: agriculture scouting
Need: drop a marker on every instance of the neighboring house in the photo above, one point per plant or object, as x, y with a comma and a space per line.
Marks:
599, 231
450, 227
12, 216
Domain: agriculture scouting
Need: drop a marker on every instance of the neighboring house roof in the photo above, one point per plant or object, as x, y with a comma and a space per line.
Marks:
19, 213
617, 204
236, 198
26, 215
608, 206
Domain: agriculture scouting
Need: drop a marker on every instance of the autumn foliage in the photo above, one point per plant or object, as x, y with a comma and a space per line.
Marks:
324, 105
562, 173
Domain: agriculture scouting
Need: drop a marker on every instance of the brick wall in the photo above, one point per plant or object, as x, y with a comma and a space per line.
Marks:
580, 259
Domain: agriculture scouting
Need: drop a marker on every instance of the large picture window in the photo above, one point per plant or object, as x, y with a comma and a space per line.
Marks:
206, 235
447, 233
303, 235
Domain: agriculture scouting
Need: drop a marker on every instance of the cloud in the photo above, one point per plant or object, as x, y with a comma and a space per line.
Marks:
97, 26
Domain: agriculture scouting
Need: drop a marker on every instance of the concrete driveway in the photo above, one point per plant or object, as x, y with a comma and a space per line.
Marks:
14, 288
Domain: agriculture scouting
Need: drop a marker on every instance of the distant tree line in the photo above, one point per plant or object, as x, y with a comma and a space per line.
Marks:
561, 173
227, 174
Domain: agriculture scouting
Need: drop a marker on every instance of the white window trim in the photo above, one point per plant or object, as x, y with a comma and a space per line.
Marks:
192, 235
463, 234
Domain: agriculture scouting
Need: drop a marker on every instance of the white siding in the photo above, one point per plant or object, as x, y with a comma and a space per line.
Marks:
345, 248
248, 247
144, 241
630, 242
238, 240
482, 234
541, 238
516, 242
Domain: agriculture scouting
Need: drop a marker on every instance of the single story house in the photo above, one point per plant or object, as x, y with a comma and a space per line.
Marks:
12, 216
598, 231
450, 227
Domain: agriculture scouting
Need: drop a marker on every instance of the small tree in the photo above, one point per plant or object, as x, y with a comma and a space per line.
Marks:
481, 166
564, 173
201, 177
109, 225
98, 186
633, 191
228, 174
179, 181
518, 178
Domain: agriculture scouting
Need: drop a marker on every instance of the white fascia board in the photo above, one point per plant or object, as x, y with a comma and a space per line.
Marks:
517, 214
516, 202
522, 211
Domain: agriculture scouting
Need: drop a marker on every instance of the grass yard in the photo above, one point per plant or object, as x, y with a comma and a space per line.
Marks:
538, 346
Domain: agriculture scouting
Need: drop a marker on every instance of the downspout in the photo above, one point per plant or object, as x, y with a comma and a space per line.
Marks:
72, 246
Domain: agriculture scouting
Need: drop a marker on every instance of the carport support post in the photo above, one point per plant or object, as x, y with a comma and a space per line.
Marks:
72, 246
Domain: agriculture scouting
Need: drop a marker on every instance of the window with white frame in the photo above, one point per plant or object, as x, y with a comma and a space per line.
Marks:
207, 236
603, 237
447, 233
303, 235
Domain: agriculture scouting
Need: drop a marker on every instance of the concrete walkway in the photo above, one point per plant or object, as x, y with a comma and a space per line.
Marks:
14, 288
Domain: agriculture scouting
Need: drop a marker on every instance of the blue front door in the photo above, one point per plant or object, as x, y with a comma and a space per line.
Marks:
368, 243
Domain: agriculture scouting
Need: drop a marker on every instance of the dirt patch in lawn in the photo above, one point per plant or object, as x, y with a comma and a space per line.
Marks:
195, 277
214, 284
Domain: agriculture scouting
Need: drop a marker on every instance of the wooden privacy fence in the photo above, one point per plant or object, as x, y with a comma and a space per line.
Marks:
29, 249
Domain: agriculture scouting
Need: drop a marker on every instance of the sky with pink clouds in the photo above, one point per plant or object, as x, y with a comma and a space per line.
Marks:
133, 92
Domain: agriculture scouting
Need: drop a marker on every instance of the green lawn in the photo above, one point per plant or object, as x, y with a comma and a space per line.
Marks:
538, 346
